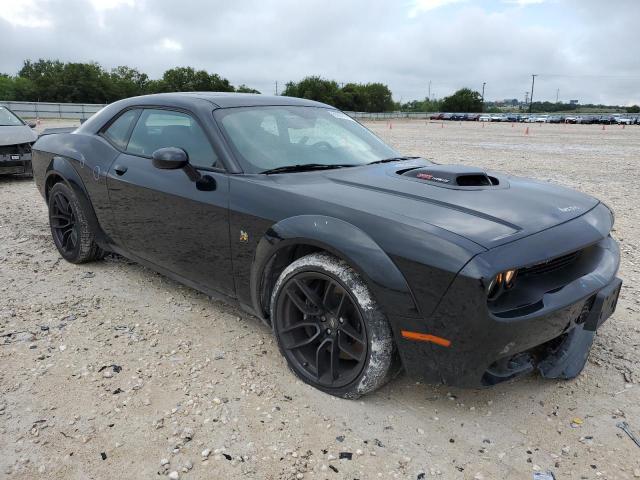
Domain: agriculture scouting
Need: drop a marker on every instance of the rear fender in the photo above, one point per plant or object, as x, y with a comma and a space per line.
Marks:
343, 240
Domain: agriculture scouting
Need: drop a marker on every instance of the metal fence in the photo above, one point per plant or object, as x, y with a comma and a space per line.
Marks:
30, 110
388, 115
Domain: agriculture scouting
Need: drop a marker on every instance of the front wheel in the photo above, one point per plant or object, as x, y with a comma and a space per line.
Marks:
329, 328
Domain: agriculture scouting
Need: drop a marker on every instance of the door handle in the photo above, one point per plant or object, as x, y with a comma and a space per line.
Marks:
120, 169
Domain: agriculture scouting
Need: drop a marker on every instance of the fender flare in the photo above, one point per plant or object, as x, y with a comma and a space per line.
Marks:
62, 168
343, 240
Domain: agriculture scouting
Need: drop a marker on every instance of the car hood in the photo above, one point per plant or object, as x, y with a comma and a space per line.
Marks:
13, 135
489, 216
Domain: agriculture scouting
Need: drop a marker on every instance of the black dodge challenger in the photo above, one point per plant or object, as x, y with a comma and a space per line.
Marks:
361, 260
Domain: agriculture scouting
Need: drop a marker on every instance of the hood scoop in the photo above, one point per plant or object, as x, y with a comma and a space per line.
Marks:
457, 177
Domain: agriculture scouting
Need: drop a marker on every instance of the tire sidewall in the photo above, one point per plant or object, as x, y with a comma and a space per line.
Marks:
61, 188
380, 345
86, 249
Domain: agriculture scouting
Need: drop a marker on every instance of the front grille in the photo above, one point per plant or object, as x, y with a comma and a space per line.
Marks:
550, 265
19, 149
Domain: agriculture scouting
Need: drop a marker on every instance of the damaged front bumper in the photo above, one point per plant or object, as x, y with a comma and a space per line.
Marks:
553, 335
15, 162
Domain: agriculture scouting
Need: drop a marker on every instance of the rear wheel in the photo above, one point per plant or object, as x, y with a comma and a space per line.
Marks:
70, 229
329, 328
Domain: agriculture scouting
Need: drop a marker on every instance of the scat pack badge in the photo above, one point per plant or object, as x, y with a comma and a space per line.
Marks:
244, 236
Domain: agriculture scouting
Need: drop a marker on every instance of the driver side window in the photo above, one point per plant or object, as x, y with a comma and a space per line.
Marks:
165, 128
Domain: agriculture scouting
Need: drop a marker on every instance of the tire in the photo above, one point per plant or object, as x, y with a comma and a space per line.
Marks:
322, 310
70, 229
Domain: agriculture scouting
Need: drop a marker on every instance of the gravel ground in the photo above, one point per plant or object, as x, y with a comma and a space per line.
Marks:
109, 370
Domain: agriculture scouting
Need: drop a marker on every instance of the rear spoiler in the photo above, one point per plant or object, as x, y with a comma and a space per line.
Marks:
54, 131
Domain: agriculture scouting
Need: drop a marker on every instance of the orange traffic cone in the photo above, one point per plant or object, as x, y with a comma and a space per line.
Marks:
526, 131
390, 126
603, 127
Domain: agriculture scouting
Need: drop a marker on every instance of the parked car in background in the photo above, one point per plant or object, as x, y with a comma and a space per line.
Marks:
473, 117
447, 116
435, 116
457, 116
497, 117
606, 119
624, 120
587, 119
570, 119
541, 118
484, 118
359, 259
555, 119
512, 117
16, 138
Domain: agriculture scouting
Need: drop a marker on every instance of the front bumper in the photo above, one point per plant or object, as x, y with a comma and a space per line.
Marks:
15, 163
554, 336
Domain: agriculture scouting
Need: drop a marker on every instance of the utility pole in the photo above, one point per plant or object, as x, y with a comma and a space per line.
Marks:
276, 87
557, 94
483, 84
429, 94
533, 81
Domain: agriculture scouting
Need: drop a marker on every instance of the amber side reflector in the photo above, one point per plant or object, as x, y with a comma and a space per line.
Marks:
425, 337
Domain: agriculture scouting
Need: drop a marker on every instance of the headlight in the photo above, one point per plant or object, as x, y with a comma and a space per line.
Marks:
501, 282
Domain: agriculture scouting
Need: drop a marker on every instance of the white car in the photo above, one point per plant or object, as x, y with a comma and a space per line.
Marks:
484, 118
624, 121
541, 119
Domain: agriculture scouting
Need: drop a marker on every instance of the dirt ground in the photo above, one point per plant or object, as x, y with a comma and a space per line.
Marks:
109, 370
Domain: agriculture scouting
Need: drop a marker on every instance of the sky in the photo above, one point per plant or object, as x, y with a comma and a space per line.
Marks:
580, 49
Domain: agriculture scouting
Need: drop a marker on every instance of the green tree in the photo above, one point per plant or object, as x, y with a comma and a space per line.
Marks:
633, 109
370, 97
187, 79
244, 89
129, 82
464, 100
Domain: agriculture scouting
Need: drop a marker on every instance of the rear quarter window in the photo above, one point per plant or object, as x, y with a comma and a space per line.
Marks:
118, 132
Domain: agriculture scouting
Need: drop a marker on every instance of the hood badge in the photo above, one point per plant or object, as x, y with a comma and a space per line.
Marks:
568, 209
428, 176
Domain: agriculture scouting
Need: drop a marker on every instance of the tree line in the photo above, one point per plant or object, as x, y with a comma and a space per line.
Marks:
55, 81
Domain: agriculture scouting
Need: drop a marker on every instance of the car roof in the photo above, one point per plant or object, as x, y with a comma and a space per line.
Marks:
226, 99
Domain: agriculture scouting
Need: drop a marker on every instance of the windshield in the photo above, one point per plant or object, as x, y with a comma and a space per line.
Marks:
8, 119
265, 138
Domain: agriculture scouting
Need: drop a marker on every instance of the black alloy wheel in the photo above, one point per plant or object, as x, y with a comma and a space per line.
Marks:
321, 329
63, 224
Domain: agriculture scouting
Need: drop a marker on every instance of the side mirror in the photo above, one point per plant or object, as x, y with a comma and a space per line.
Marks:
170, 158
32, 125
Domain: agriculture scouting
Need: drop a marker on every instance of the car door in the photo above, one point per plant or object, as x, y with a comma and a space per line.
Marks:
164, 216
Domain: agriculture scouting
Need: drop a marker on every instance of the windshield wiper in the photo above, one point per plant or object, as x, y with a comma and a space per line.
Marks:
305, 167
392, 159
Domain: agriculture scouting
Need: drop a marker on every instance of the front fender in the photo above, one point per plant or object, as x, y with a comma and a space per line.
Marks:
344, 241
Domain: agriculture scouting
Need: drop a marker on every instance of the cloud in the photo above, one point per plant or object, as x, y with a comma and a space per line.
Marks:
420, 6
524, 3
24, 14
582, 47
171, 45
